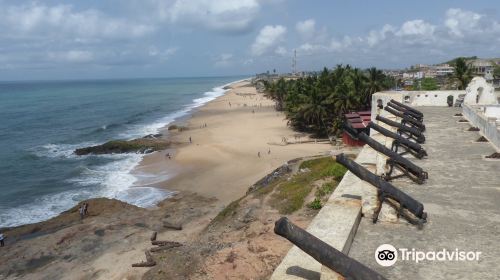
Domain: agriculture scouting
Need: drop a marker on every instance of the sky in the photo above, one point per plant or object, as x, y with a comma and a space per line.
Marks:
96, 39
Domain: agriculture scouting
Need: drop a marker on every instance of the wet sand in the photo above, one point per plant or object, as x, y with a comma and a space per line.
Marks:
223, 159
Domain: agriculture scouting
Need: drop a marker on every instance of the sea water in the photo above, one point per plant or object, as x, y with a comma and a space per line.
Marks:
43, 122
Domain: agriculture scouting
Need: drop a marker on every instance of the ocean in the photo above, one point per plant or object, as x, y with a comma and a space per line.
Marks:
43, 122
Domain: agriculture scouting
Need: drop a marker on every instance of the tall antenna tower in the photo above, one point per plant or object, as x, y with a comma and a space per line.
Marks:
294, 63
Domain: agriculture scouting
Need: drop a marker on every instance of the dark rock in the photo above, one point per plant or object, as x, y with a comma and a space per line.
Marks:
142, 145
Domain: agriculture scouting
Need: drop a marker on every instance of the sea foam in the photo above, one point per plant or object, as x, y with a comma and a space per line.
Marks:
112, 180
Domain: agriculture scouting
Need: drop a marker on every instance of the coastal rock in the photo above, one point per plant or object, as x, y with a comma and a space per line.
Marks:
144, 145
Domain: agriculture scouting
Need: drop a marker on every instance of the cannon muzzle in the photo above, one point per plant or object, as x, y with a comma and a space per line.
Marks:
324, 253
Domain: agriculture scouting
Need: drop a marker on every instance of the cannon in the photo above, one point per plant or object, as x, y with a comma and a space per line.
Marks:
416, 116
407, 207
395, 161
406, 119
415, 111
400, 142
410, 132
325, 254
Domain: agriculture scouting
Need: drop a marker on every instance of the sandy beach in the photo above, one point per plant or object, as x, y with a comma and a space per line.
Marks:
222, 161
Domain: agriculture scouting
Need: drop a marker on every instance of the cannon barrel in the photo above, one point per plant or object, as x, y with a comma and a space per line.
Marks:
415, 147
419, 137
410, 166
405, 111
406, 201
415, 123
324, 253
407, 107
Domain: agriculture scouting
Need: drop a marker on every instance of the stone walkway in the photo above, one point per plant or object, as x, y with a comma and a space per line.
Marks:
462, 199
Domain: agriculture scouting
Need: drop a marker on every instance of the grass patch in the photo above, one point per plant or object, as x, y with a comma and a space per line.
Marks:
228, 211
290, 195
325, 189
315, 204
324, 167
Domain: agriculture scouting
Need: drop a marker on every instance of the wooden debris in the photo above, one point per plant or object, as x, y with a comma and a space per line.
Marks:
165, 247
171, 226
164, 243
148, 263
153, 236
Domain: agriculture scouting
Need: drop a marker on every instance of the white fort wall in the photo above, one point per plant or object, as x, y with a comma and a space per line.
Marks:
419, 98
487, 119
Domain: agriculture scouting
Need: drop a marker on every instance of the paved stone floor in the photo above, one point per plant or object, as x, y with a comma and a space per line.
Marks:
462, 199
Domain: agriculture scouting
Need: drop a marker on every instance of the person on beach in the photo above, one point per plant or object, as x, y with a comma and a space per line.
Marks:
168, 155
81, 211
2, 243
190, 140
269, 151
258, 154
229, 104
85, 209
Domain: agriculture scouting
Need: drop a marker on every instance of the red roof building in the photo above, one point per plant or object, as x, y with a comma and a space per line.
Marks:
358, 121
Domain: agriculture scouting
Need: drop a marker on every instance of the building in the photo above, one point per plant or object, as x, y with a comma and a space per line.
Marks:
413, 75
483, 67
443, 70
359, 122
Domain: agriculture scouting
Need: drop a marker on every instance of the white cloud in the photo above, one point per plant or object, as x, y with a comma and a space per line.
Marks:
306, 28
224, 60
73, 56
459, 21
416, 27
376, 36
162, 54
62, 20
268, 38
461, 32
281, 51
220, 15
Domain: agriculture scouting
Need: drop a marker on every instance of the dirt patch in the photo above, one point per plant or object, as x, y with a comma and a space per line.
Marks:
239, 243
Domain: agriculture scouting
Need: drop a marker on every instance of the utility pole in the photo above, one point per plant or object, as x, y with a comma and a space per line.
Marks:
294, 63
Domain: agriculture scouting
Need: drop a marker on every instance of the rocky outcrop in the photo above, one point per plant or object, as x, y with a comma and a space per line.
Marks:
143, 145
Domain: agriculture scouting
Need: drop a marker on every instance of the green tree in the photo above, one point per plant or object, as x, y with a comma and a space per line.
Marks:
428, 84
462, 73
317, 103
496, 72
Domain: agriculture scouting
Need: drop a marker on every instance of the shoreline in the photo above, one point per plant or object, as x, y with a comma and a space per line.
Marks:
154, 165
233, 133
216, 169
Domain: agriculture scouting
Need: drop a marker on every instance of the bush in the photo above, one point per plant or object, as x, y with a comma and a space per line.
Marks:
336, 170
325, 189
315, 204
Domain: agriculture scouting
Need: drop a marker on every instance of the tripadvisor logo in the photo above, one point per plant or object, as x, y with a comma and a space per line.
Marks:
387, 255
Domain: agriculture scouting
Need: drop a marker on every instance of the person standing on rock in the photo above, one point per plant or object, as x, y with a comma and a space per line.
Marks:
2, 243
85, 209
82, 212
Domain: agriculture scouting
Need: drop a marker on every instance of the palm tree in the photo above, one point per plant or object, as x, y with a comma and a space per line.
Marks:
375, 80
344, 98
314, 110
280, 93
358, 84
463, 73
